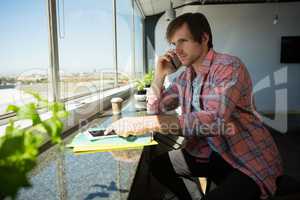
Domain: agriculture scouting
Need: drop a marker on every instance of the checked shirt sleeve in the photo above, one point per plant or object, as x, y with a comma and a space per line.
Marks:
166, 101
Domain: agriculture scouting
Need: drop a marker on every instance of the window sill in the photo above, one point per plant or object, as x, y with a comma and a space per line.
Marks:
82, 108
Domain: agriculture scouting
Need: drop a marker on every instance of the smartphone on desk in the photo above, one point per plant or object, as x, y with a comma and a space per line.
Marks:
98, 133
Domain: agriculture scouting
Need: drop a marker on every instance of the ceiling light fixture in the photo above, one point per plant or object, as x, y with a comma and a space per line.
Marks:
276, 16
170, 13
275, 20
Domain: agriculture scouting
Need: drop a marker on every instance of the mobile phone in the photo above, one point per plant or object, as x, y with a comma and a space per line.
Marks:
176, 62
98, 133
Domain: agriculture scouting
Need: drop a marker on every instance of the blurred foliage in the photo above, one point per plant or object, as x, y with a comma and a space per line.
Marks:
140, 84
148, 78
19, 147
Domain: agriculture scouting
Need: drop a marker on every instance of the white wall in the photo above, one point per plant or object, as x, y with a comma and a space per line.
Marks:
247, 31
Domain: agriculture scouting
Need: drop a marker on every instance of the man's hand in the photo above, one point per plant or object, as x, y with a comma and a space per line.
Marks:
164, 65
133, 126
163, 68
141, 125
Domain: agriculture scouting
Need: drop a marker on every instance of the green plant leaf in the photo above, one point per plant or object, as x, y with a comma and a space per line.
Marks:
9, 128
12, 108
11, 146
19, 148
62, 114
54, 128
148, 78
11, 180
32, 143
140, 85
29, 111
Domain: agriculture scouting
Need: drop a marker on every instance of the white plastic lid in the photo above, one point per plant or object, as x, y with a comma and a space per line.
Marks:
116, 100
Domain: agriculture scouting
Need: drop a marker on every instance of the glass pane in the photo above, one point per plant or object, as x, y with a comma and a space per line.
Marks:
138, 22
24, 54
85, 46
124, 38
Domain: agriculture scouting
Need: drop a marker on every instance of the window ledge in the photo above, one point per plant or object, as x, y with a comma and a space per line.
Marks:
82, 108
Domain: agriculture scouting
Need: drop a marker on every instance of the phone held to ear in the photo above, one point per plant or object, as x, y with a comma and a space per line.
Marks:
176, 62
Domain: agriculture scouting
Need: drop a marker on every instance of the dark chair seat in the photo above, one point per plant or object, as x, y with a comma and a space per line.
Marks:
288, 188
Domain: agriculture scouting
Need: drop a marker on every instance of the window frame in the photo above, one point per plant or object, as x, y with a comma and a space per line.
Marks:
54, 76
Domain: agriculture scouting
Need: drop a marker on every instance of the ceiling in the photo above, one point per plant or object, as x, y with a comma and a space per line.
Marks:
152, 7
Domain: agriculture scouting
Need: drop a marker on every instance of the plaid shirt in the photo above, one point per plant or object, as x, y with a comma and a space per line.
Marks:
226, 120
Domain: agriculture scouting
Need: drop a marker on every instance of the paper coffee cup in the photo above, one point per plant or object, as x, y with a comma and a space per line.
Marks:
116, 104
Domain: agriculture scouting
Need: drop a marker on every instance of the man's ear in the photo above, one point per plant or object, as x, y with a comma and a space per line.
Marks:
205, 38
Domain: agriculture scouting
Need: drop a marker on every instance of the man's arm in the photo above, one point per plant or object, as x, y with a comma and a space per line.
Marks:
157, 84
165, 124
162, 99
159, 98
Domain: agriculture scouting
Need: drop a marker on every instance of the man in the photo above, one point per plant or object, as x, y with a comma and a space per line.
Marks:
225, 140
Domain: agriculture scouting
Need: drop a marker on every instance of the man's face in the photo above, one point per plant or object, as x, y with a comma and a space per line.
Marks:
187, 49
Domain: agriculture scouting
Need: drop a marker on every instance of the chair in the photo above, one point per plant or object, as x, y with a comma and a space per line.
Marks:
288, 188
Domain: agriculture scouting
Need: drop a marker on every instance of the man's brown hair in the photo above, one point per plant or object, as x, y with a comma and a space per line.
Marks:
197, 24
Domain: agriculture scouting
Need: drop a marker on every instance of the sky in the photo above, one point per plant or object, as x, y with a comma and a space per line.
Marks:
87, 43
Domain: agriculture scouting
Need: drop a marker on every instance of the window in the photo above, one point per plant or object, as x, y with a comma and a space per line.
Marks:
24, 53
139, 53
124, 40
85, 47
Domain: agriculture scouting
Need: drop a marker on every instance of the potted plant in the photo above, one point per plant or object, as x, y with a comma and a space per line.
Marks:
19, 147
140, 94
142, 86
148, 78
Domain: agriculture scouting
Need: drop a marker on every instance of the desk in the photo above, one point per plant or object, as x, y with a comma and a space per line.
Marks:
88, 176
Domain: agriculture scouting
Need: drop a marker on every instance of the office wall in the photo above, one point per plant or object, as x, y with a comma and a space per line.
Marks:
247, 31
